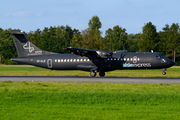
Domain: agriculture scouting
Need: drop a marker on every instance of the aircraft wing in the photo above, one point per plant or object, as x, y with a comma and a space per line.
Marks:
89, 53
81, 51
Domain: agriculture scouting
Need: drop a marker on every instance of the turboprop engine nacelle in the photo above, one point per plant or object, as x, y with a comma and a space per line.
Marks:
104, 54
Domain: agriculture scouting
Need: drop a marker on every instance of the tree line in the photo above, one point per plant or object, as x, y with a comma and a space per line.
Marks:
54, 39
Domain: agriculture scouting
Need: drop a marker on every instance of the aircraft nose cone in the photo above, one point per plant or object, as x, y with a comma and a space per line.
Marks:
172, 63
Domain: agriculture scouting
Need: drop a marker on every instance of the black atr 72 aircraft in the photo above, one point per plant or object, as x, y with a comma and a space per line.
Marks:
87, 60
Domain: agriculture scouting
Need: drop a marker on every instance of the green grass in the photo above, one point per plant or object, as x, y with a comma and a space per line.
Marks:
89, 101
36, 71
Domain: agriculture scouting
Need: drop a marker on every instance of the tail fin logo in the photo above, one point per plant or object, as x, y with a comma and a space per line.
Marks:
26, 46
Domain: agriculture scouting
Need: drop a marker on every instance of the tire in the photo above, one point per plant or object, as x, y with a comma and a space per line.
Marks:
164, 73
92, 74
101, 74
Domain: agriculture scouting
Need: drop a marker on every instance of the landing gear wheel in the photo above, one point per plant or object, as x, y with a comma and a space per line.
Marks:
101, 73
164, 73
93, 73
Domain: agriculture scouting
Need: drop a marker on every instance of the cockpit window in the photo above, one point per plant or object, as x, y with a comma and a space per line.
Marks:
163, 56
158, 56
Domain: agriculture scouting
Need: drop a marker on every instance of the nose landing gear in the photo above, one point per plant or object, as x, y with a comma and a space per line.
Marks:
164, 73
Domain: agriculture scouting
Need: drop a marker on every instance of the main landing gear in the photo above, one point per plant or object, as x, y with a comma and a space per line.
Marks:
101, 73
93, 73
164, 73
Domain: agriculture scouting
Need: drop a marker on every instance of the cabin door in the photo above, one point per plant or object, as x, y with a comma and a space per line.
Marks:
49, 63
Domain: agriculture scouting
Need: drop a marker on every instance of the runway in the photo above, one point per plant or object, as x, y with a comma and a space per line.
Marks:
78, 79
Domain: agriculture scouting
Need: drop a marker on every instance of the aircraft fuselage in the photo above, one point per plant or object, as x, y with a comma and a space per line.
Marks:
117, 61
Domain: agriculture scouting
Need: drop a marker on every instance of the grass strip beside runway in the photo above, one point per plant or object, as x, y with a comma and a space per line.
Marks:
89, 101
36, 71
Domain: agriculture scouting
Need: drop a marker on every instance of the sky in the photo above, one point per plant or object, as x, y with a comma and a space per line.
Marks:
29, 15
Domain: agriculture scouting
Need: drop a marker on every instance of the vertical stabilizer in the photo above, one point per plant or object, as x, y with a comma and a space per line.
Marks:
24, 47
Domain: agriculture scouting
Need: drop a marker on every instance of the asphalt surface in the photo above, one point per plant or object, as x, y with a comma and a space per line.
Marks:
157, 80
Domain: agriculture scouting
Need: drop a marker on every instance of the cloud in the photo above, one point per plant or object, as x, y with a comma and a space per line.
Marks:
23, 14
19, 14
7, 14
39, 14
71, 3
